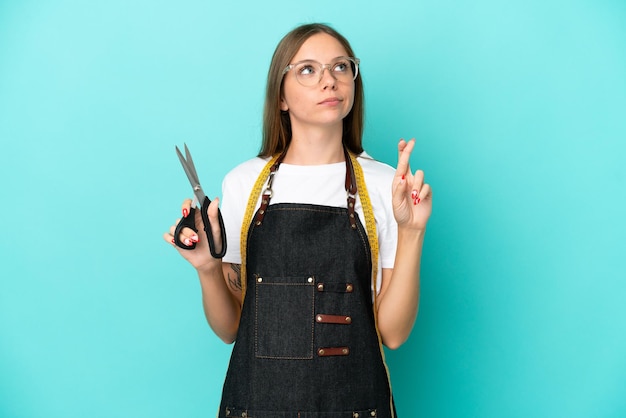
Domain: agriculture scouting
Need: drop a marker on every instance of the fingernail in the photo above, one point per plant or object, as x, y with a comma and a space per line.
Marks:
195, 238
173, 242
187, 242
414, 194
403, 177
185, 213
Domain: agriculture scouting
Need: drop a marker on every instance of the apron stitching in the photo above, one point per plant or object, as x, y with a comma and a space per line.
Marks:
256, 322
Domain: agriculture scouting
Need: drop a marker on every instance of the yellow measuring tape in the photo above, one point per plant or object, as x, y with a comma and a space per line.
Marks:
370, 224
247, 219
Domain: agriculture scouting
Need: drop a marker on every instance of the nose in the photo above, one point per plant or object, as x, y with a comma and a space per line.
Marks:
328, 78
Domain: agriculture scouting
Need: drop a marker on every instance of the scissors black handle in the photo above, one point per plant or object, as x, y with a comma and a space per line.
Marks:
190, 222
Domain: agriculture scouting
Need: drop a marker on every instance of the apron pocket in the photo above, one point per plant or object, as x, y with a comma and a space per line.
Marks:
284, 311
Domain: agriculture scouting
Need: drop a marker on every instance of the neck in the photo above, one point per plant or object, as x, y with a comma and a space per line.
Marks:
315, 148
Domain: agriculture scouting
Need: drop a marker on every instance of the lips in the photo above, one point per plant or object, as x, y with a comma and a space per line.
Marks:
330, 101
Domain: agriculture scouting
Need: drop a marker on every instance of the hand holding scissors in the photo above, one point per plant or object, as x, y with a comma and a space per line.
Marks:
204, 201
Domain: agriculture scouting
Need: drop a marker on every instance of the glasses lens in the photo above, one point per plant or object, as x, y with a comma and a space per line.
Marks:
308, 73
341, 70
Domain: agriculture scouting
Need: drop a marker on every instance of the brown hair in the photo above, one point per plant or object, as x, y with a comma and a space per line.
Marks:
276, 123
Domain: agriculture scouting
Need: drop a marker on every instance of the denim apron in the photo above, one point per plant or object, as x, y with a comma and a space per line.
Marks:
307, 344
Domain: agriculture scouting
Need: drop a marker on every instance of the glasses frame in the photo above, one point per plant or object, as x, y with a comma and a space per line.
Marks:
353, 60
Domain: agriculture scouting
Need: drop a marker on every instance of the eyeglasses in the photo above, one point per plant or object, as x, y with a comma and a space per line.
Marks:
310, 72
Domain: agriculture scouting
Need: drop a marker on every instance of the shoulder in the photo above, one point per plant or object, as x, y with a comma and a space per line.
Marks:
245, 173
378, 175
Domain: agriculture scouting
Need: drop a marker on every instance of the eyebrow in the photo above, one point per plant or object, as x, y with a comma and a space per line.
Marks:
311, 59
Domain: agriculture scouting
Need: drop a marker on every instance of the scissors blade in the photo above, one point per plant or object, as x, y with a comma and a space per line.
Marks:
192, 175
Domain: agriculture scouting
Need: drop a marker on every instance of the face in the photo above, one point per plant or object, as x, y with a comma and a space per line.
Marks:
326, 103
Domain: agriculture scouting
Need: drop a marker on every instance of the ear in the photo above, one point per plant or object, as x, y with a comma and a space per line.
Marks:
283, 105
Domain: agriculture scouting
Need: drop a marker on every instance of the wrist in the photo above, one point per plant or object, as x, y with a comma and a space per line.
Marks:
411, 235
209, 268
411, 230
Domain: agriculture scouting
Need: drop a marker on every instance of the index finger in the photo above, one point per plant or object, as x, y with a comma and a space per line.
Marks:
404, 155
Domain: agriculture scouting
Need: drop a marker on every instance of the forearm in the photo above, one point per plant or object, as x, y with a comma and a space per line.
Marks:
221, 308
399, 301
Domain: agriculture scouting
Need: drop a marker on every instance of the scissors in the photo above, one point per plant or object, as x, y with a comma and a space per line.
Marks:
203, 202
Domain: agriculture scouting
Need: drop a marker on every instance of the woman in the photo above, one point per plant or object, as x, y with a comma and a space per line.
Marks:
328, 243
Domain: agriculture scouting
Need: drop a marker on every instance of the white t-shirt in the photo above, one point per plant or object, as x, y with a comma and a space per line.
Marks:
311, 184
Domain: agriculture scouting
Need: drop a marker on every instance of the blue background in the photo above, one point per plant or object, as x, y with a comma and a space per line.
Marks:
519, 110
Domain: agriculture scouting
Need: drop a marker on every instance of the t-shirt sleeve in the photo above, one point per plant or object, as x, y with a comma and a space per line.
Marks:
236, 188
